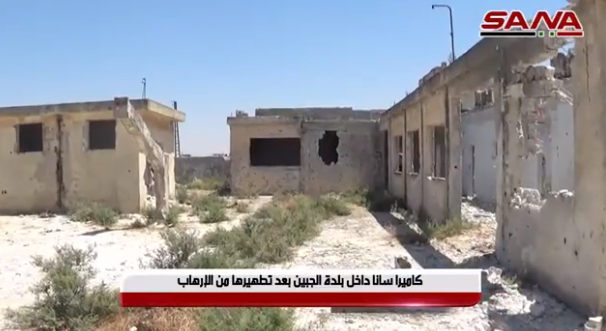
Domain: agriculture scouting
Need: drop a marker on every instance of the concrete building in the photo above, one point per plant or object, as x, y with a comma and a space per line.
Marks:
52, 156
310, 150
422, 135
550, 170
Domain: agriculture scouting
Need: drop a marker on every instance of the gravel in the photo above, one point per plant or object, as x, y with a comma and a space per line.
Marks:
357, 241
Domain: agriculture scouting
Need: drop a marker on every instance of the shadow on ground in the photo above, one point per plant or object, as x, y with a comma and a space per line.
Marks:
428, 257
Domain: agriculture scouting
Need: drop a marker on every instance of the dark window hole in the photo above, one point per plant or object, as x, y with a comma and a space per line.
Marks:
327, 147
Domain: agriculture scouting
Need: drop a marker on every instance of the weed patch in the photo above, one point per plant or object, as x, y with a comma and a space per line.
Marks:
181, 194
207, 202
446, 229
92, 212
214, 214
219, 185
172, 214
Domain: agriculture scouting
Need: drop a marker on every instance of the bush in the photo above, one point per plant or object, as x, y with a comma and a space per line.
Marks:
214, 214
173, 214
206, 202
271, 233
64, 300
334, 206
181, 194
179, 246
92, 212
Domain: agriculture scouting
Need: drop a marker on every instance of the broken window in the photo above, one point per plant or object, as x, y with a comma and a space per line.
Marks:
30, 138
327, 147
102, 134
439, 151
398, 157
275, 152
415, 165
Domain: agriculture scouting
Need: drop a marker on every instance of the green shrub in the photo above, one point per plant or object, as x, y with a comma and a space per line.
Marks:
64, 299
214, 214
206, 202
181, 194
92, 212
178, 247
334, 206
173, 215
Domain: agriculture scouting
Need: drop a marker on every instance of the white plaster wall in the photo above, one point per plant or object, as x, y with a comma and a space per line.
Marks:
562, 148
479, 130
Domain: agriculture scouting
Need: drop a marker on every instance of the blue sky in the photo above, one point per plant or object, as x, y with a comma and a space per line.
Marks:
214, 57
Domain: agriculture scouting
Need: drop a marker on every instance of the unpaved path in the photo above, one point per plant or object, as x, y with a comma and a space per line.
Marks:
363, 242
356, 241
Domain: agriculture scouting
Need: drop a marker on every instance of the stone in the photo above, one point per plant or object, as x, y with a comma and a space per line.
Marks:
401, 262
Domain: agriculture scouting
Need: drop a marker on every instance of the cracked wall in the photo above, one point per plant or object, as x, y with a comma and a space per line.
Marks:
480, 150
112, 177
356, 168
539, 234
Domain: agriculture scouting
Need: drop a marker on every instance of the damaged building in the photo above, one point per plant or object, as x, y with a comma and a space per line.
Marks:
55, 155
552, 237
550, 169
309, 150
422, 135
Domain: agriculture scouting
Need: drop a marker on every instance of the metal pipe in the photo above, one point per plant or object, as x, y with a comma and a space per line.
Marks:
451, 28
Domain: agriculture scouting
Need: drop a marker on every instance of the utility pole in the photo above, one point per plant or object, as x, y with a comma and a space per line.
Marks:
144, 82
452, 47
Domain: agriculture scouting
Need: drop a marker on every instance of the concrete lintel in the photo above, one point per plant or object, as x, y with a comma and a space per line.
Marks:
91, 106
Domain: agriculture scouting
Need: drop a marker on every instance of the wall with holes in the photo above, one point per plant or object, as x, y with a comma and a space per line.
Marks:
480, 151
340, 156
335, 155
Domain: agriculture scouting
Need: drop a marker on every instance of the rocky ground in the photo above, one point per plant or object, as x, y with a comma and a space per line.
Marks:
362, 240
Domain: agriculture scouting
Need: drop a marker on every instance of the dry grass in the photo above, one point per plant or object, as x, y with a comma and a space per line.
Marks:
155, 319
448, 228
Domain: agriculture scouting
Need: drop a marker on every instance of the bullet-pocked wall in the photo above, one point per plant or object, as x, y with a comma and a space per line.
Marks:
271, 153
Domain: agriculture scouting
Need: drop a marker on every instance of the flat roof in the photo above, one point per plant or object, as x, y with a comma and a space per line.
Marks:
91, 106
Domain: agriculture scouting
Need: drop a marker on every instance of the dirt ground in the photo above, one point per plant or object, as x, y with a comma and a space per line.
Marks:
361, 240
